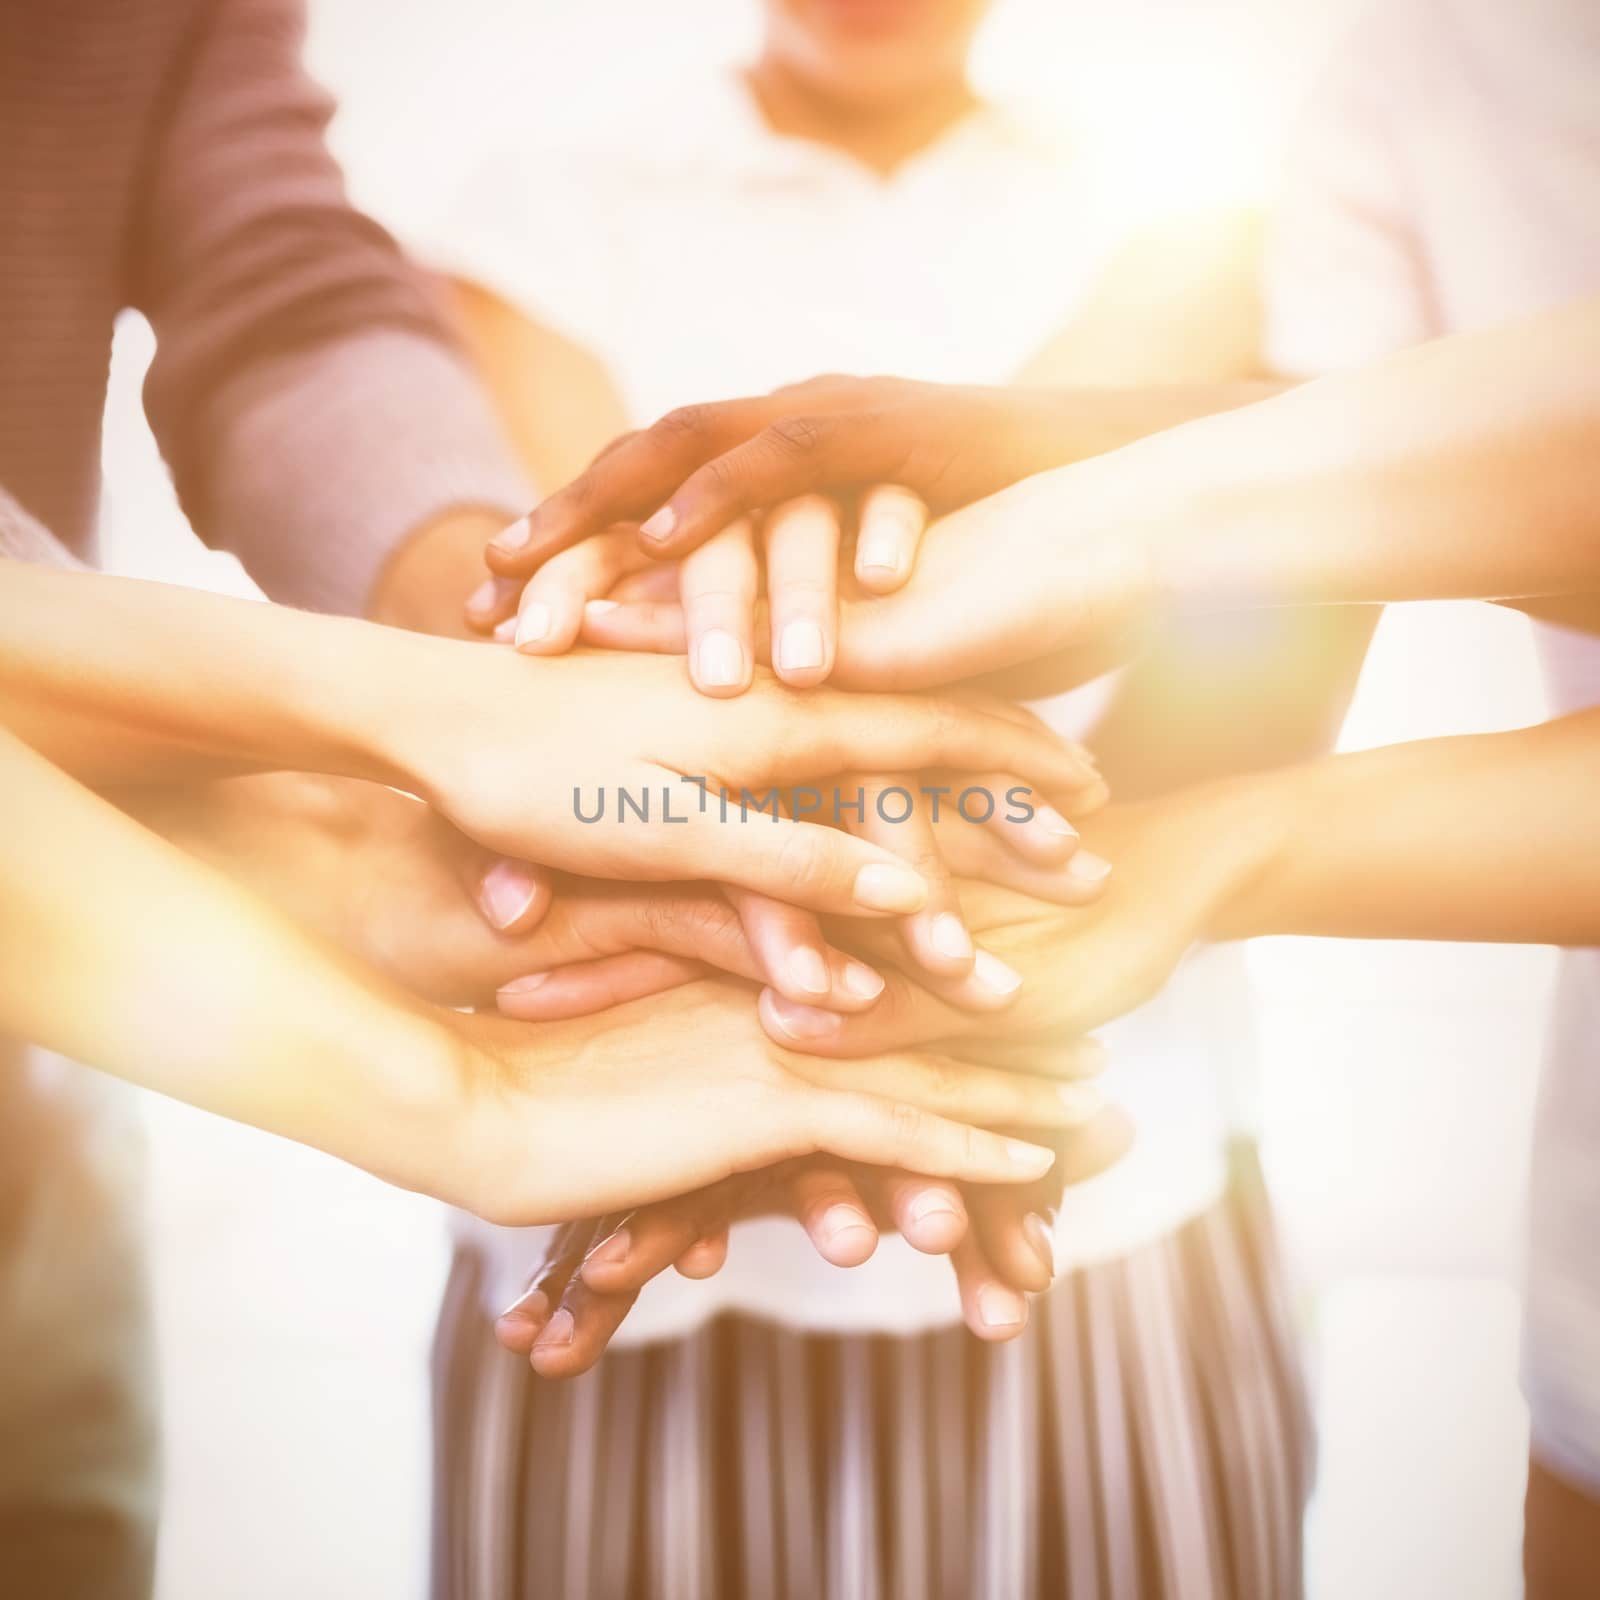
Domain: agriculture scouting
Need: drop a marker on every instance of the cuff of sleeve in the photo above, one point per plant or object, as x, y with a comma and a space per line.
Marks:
22, 538
336, 455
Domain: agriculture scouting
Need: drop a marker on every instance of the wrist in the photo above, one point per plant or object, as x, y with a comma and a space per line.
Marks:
1254, 819
425, 584
403, 703
415, 1113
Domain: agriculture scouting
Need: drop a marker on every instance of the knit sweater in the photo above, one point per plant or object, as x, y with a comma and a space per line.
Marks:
168, 155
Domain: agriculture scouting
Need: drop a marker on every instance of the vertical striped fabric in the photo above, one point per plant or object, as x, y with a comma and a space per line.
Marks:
1147, 1437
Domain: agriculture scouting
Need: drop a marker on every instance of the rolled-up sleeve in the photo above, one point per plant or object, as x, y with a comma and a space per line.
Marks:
306, 391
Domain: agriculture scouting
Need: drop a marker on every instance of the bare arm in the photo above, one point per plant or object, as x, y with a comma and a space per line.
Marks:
1493, 837
122, 952
555, 399
1461, 469
124, 681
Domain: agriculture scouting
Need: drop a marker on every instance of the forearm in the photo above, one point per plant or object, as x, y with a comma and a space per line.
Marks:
427, 578
1489, 837
289, 837
119, 680
220, 1002
1463, 468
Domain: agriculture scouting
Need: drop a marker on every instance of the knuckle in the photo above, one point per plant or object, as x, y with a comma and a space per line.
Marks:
721, 480
710, 922
945, 1084
802, 861
908, 1126
796, 436
680, 424
972, 1143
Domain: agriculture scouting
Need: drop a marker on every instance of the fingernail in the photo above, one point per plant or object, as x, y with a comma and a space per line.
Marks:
994, 975
804, 1022
800, 647
513, 538
807, 970
1038, 1232
882, 887
524, 985
1029, 1157
719, 660
1081, 1101
948, 935
483, 596
838, 1222
998, 1307
1088, 868
506, 631
613, 1250
533, 623
557, 1331
598, 608
507, 890
862, 981
659, 524
931, 1203
526, 1307
878, 555
1054, 823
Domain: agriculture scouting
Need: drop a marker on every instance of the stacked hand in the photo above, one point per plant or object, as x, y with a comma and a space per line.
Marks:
742, 516
764, 493
609, 770
1178, 869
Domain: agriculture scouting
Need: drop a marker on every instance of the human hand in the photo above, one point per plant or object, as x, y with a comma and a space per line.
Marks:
789, 470
1057, 569
997, 1239
778, 570
701, 468
1181, 862
393, 883
509, 748
658, 1099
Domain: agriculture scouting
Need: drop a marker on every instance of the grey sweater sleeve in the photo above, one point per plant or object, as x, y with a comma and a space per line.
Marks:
306, 391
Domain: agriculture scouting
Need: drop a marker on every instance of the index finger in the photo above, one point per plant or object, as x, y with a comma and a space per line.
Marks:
629, 481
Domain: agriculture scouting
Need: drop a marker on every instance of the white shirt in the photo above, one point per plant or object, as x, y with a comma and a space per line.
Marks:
1447, 178
702, 256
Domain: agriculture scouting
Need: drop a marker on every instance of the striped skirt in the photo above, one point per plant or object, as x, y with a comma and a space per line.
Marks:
1147, 1436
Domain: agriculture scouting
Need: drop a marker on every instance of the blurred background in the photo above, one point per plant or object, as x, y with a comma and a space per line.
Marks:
296, 1296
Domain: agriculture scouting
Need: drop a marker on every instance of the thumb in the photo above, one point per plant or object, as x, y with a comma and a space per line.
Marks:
512, 896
